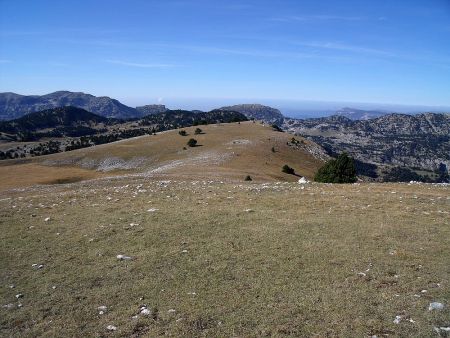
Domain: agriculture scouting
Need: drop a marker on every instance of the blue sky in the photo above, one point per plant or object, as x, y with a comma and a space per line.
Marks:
188, 51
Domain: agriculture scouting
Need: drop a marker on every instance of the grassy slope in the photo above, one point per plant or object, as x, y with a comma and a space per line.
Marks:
287, 267
217, 157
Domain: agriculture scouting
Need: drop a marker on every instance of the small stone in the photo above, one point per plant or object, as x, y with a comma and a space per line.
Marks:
397, 319
19, 295
302, 180
171, 311
435, 306
111, 328
145, 311
123, 258
47, 219
54, 287
152, 210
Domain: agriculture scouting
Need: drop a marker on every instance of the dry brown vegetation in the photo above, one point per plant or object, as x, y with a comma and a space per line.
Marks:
227, 151
217, 258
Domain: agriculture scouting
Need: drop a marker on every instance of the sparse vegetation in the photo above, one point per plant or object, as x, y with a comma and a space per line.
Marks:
276, 128
248, 178
198, 131
192, 142
288, 170
339, 170
182, 132
211, 262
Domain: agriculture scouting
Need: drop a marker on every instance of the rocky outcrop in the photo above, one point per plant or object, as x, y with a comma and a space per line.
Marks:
416, 141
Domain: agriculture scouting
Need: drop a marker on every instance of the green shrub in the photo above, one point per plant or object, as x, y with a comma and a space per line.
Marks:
198, 131
182, 133
339, 170
288, 170
192, 142
276, 128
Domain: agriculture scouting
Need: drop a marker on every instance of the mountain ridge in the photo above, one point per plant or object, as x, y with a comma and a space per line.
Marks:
14, 105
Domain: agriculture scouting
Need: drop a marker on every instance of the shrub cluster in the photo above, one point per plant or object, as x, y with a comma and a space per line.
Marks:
288, 170
339, 170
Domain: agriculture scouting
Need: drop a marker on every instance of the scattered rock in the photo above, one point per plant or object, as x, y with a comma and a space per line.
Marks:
144, 311
442, 328
123, 258
152, 210
435, 306
47, 219
171, 311
303, 180
397, 319
111, 328
19, 295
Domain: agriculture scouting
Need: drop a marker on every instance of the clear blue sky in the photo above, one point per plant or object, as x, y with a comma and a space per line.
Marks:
140, 51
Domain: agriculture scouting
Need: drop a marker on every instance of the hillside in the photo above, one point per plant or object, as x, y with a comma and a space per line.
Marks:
68, 128
151, 109
413, 141
52, 118
258, 112
13, 105
225, 151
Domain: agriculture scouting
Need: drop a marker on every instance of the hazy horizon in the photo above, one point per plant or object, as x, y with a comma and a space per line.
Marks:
289, 107
348, 51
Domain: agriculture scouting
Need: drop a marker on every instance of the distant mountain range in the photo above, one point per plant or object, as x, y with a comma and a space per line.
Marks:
359, 114
377, 139
258, 112
13, 105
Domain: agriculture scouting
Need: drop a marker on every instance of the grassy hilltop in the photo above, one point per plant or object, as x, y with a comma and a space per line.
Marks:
207, 254
225, 151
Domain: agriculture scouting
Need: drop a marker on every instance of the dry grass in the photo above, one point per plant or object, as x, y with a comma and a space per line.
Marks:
262, 259
228, 151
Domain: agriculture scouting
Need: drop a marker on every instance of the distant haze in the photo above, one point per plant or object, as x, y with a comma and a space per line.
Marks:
289, 108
